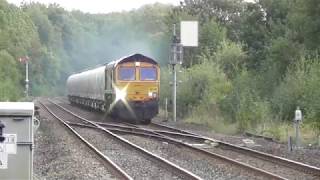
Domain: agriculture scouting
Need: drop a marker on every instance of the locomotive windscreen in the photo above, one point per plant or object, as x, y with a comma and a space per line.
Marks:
148, 73
127, 73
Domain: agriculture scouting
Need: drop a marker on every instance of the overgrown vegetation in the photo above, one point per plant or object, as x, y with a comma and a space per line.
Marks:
268, 55
256, 62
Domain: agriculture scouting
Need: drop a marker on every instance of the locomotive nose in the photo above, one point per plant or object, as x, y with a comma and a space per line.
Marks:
139, 91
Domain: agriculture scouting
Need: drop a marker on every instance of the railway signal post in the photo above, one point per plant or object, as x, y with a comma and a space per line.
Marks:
188, 38
27, 78
26, 61
176, 58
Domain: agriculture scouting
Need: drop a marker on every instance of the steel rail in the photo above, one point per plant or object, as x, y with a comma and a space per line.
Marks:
276, 159
124, 131
134, 128
183, 172
174, 141
127, 130
117, 130
172, 128
187, 134
260, 136
192, 135
121, 173
214, 155
164, 135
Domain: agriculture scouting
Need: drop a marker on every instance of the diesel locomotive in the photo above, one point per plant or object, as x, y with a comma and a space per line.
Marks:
127, 88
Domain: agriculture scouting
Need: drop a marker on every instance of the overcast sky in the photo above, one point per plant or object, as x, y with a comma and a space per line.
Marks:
99, 6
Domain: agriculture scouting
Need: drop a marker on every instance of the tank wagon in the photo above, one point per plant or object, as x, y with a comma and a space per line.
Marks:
127, 88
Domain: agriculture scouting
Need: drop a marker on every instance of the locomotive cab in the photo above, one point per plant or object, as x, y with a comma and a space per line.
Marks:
136, 86
127, 88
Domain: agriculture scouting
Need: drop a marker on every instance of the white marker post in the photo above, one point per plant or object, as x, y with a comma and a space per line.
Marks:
297, 121
27, 78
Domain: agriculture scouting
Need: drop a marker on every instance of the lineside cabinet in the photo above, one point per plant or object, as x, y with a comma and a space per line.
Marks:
16, 134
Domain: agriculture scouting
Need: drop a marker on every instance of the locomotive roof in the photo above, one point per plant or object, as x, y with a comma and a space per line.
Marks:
133, 58
130, 58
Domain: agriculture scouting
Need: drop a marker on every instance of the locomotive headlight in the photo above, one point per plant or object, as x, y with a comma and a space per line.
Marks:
121, 94
154, 95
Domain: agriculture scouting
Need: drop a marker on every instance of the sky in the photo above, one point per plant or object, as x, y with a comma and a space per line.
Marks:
99, 6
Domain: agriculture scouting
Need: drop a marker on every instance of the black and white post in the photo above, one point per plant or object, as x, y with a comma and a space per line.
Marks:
176, 58
25, 60
188, 38
27, 78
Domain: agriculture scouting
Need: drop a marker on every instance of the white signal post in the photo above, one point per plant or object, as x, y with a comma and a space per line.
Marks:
176, 58
26, 61
27, 78
188, 37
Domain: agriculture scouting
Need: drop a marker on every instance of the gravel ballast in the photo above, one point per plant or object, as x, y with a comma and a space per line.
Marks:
304, 155
206, 168
134, 163
59, 155
199, 165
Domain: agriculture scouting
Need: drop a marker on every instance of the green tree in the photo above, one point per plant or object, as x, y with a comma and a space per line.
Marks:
10, 88
231, 58
304, 19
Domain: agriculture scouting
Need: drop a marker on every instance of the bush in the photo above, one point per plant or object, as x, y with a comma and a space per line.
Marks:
203, 84
282, 53
243, 105
165, 87
300, 88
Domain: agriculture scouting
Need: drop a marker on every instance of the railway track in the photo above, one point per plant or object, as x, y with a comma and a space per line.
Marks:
284, 167
279, 167
162, 166
301, 167
270, 163
116, 170
221, 147
170, 134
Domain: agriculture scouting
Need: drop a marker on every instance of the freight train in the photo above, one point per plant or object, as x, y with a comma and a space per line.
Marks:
127, 88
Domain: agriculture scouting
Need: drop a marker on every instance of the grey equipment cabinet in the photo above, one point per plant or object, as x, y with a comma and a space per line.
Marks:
16, 154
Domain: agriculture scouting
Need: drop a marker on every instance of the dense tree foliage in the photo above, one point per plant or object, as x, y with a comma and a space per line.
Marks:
60, 42
268, 51
255, 63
